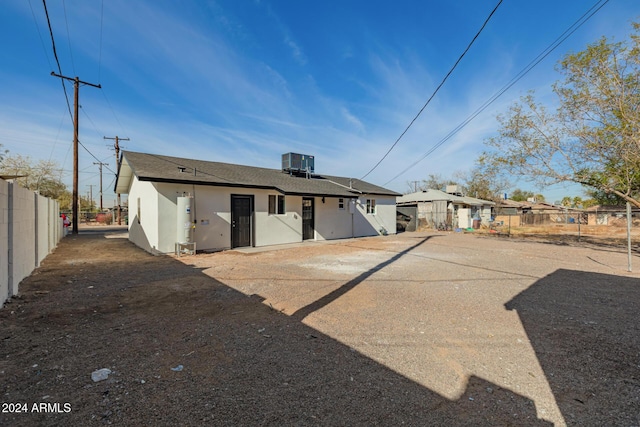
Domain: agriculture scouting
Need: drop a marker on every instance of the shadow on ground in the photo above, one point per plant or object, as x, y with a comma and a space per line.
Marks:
603, 243
584, 329
103, 303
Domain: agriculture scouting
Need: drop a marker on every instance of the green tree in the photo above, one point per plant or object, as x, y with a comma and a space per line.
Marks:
588, 203
519, 195
86, 205
577, 202
603, 198
41, 177
592, 138
65, 199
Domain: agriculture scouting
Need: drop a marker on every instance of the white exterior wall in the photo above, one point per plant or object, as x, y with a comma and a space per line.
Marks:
167, 208
277, 229
42, 232
211, 210
4, 241
213, 216
30, 228
24, 234
372, 224
143, 218
213, 213
332, 222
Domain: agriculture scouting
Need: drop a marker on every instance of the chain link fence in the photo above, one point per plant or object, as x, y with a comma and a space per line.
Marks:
603, 224
104, 218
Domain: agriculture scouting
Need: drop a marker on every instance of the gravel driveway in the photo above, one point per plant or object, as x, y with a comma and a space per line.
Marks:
414, 329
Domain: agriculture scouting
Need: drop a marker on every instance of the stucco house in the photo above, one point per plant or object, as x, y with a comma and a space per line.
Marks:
435, 208
220, 205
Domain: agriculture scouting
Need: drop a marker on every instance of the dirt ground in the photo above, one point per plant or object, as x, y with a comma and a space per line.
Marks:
414, 329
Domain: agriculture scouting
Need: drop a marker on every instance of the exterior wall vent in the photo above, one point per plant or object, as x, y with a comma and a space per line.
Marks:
298, 163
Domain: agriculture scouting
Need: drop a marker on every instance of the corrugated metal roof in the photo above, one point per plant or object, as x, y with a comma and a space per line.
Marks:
157, 168
538, 206
432, 195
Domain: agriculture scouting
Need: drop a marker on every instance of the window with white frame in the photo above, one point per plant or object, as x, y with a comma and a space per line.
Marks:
276, 204
371, 206
341, 203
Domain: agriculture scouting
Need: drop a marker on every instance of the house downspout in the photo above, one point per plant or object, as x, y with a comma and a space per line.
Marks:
352, 206
353, 231
195, 218
10, 215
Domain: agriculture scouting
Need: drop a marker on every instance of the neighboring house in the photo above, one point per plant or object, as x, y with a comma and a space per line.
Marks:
532, 212
220, 206
435, 208
510, 212
610, 215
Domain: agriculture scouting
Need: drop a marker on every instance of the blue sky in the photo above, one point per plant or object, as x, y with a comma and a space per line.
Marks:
246, 81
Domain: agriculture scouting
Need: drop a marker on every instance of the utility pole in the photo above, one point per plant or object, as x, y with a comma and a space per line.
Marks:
117, 148
100, 164
90, 196
76, 87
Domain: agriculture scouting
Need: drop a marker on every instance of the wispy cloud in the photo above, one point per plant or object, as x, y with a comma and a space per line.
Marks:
296, 51
353, 120
247, 83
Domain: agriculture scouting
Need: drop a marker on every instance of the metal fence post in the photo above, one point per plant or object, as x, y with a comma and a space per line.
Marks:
10, 240
628, 236
579, 221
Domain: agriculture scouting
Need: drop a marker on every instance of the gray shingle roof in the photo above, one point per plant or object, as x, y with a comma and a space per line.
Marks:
157, 168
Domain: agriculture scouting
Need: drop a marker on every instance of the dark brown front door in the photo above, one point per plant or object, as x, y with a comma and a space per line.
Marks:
241, 214
307, 219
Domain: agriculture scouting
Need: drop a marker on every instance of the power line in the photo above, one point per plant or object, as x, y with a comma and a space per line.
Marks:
66, 156
437, 89
63, 78
112, 110
100, 164
66, 21
113, 181
116, 146
98, 132
84, 170
92, 155
76, 86
104, 93
55, 141
35, 21
553, 46
100, 50
55, 55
